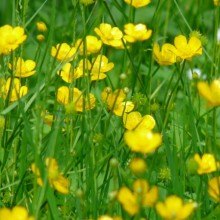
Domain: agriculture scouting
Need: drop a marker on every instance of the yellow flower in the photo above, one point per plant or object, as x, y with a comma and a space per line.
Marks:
107, 217
174, 209
63, 52
11, 38
138, 3
138, 165
75, 97
41, 26
56, 179
216, 2
40, 37
110, 35
166, 56
137, 32
92, 45
210, 92
206, 163
141, 196
17, 91
214, 186
16, 213
87, 2
134, 120
115, 101
23, 68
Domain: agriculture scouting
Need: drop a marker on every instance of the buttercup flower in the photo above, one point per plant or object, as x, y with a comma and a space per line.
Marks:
137, 32
92, 45
165, 56
137, 165
110, 35
174, 209
63, 52
40, 37
206, 163
210, 92
115, 101
16, 213
11, 38
138, 3
23, 68
107, 217
75, 98
141, 196
214, 188
56, 179
41, 26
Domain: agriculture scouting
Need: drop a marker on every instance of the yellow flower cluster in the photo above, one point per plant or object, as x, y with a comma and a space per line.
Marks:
41, 27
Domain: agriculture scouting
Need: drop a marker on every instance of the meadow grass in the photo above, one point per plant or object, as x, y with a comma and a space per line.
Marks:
89, 144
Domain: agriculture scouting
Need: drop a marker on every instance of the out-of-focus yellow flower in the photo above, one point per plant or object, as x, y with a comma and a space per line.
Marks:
174, 209
206, 163
87, 2
40, 37
75, 97
56, 179
17, 91
134, 120
92, 45
138, 165
16, 213
216, 2
115, 101
137, 32
214, 188
165, 56
210, 92
141, 196
11, 38
23, 68
138, 3
107, 217
41, 26
63, 52
110, 35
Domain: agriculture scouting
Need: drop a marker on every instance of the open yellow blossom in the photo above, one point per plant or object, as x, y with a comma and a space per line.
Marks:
92, 45
206, 163
75, 97
173, 208
166, 55
134, 120
23, 68
141, 196
137, 165
137, 32
17, 91
56, 179
41, 26
110, 35
214, 188
138, 3
115, 101
63, 52
11, 38
210, 92
16, 213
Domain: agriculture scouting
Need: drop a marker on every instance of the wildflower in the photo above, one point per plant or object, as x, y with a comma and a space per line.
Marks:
137, 32
40, 37
17, 91
56, 179
210, 92
11, 38
141, 196
75, 98
138, 3
107, 217
110, 35
174, 209
87, 2
206, 163
115, 101
23, 68
41, 26
214, 186
134, 120
16, 213
194, 73
63, 52
137, 165
92, 45
216, 2
166, 56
